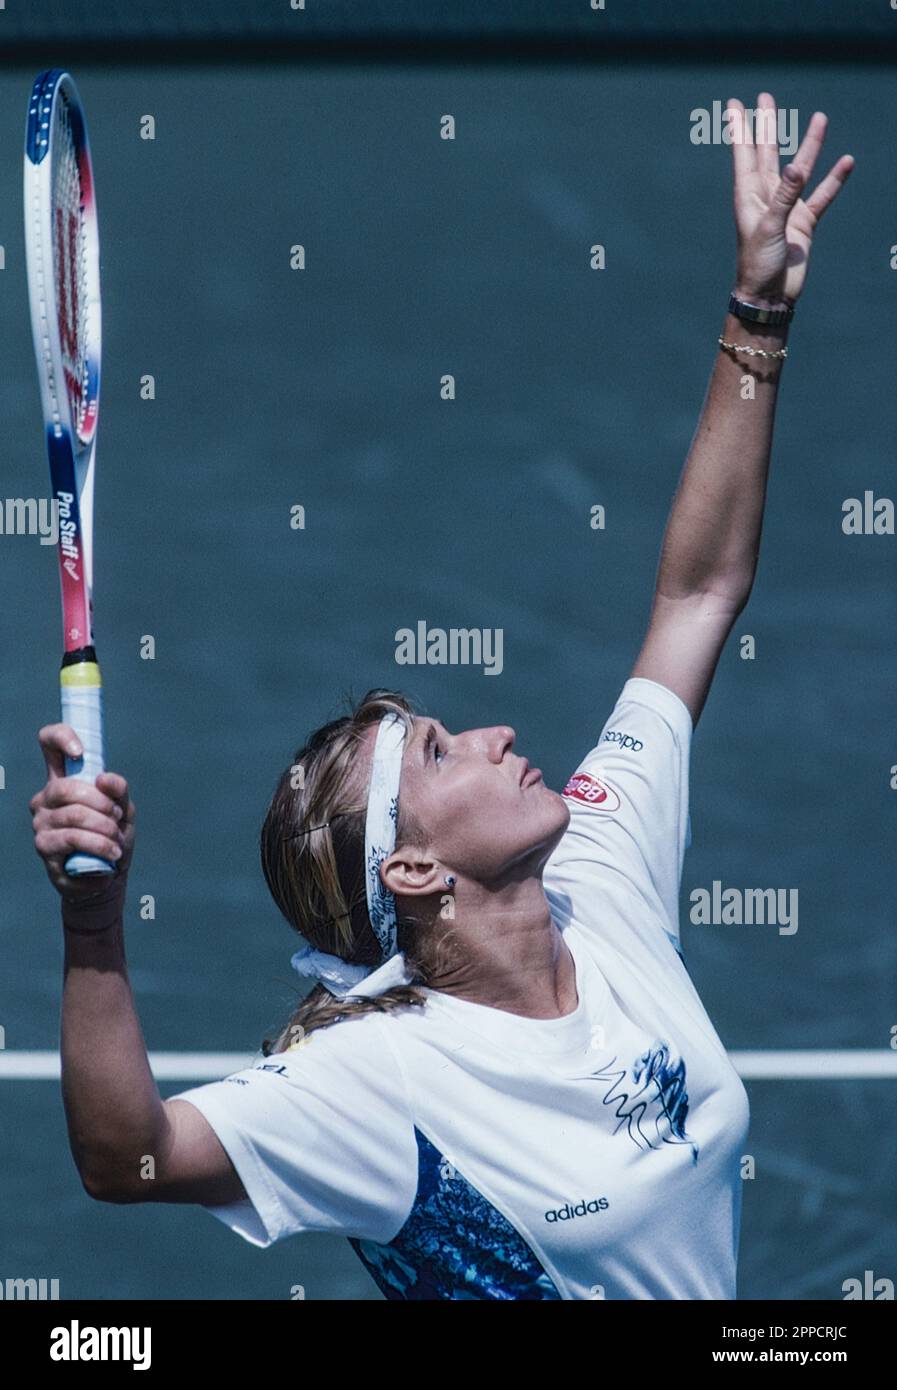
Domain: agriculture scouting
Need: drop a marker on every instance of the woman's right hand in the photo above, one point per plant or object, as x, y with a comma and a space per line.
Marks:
70, 815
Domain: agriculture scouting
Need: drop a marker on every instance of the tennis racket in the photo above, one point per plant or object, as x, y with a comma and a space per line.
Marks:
63, 259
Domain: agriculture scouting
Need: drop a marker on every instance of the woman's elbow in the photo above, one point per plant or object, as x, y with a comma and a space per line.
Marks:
103, 1184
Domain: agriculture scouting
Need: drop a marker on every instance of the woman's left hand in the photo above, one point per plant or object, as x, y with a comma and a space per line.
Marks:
775, 225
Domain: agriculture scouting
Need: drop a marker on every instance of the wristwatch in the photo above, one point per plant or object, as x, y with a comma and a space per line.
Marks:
752, 313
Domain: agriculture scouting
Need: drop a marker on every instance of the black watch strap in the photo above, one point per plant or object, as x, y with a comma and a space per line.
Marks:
752, 313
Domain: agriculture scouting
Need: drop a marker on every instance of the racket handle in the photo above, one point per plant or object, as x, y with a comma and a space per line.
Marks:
82, 707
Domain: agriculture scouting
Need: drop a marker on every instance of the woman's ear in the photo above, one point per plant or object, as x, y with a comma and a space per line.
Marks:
410, 872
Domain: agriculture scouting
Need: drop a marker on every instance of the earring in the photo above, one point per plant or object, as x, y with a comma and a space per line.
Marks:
450, 880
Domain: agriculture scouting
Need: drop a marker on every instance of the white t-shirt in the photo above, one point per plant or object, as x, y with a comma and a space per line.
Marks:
468, 1152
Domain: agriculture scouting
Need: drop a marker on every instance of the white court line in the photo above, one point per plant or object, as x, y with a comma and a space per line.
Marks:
841, 1065
844, 1064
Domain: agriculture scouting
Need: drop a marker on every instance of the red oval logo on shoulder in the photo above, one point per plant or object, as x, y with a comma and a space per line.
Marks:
592, 791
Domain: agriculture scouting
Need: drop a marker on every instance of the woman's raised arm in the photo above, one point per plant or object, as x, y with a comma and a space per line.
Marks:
128, 1144
712, 539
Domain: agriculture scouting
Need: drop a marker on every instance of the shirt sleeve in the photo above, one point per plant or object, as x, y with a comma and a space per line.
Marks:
628, 804
321, 1137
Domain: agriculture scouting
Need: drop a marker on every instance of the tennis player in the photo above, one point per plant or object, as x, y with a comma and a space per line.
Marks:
503, 1084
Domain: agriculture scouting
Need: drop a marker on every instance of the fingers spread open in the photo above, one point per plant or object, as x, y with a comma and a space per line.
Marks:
809, 147
766, 136
787, 192
827, 189
744, 155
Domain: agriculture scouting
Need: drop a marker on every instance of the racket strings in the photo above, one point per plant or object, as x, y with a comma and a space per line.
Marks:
70, 260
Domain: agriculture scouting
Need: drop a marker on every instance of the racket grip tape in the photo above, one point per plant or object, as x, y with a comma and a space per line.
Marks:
81, 688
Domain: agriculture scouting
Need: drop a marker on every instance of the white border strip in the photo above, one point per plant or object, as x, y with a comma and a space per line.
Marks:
811, 1065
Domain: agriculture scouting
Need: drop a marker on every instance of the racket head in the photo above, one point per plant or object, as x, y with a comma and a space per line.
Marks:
63, 257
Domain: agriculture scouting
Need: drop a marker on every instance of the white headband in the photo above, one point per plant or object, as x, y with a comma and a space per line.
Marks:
338, 975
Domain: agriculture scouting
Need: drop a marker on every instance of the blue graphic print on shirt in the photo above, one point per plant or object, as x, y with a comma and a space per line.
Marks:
653, 1090
454, 1245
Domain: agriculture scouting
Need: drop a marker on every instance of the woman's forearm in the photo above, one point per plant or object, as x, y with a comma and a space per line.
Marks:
713, 534
712, 537
114, 1112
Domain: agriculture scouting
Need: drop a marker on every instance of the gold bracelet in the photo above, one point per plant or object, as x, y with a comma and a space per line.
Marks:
754, 352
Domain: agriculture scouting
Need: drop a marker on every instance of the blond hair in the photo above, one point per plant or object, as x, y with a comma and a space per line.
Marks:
312, 854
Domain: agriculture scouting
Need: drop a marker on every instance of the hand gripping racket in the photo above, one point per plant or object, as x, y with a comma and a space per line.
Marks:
63, 259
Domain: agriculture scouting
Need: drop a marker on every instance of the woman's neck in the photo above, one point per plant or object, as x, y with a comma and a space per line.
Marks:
507, 953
